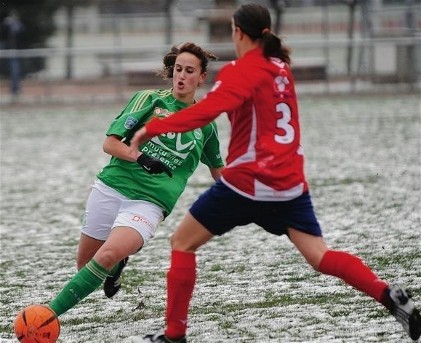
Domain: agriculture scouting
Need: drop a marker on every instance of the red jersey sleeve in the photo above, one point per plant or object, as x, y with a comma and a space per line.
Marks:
227, 94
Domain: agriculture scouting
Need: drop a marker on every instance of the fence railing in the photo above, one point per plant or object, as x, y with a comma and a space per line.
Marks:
374, 62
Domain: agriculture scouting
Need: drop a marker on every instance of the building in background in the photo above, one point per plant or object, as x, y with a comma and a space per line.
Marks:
356, 42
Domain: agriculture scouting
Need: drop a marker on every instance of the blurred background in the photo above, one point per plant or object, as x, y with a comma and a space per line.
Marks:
97, 50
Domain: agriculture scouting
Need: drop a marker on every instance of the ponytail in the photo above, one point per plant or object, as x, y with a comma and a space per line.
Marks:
272, 47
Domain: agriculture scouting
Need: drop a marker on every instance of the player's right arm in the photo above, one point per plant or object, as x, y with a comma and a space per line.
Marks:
121, 127
119, 133
232, 88
115, 147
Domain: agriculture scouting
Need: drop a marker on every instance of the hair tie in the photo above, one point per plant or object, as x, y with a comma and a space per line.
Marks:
265, 31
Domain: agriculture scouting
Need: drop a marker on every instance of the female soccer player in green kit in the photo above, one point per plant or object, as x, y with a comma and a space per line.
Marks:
127, 203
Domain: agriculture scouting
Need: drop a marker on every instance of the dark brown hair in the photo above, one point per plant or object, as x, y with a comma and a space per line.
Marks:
255, 21
169, 59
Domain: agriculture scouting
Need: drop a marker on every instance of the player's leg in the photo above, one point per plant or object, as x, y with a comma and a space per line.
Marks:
145, 217
181, 279
215, 212
356, 273
304, 231
181, 276
121, 243
135, 224
101, 210
344, 265
297, 217
190, 235
87, 248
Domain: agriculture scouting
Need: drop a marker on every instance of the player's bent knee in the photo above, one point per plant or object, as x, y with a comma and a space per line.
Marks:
107, 258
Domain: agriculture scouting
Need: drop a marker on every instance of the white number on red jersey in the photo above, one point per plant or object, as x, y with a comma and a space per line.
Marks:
284, 124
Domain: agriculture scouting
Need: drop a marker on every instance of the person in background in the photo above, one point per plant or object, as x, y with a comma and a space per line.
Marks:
133, 193
11, 30
263, 181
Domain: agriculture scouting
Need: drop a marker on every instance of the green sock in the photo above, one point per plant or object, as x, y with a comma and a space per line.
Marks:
88, 279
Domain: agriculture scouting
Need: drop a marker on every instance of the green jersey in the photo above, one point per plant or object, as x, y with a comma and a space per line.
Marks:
181, 152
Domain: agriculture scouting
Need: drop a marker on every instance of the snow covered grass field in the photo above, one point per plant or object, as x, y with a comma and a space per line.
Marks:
363, 164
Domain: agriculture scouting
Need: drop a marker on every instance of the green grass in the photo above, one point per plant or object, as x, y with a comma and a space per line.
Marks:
363, 164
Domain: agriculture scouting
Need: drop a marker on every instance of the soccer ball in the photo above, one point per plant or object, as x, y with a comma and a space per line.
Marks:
37, 324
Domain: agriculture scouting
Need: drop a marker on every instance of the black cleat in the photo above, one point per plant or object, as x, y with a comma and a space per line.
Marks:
158, 337
112, 283
404, 310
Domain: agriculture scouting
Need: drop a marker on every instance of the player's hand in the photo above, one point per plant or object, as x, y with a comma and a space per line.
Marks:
152, 165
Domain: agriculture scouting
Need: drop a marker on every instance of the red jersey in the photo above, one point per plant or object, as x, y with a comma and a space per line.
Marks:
265, 160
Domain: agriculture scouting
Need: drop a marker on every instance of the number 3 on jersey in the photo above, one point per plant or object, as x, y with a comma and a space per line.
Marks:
284, 124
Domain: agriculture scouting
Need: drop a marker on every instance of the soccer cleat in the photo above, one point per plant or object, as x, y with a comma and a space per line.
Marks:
159, 337
112, 283
403, 309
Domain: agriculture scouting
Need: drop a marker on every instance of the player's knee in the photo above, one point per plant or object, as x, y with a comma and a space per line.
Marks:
107, 258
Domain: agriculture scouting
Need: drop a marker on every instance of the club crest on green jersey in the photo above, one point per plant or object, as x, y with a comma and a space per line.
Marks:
161, 112
130, 123
198, 133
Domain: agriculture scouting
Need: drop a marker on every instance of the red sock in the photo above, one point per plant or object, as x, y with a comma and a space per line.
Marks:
181, 279
354, 272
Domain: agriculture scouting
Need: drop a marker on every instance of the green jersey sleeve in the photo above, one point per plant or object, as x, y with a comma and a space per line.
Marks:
137, 112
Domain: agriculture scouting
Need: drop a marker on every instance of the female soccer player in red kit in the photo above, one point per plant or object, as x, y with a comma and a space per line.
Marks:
263, 181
